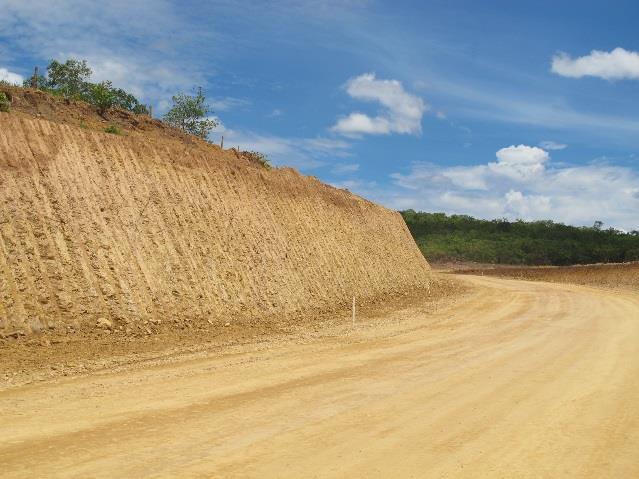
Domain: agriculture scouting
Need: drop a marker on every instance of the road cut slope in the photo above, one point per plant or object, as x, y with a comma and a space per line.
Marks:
518, 379
146, 228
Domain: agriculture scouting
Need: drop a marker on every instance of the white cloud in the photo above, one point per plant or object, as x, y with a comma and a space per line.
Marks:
507, 106
143, 78
10, 77
401, 112
301, 153
360, 187
275, 113
520, 205
471, 178
358, 123
520, 163
345, 168
523, 183
619, 64
132, 50
552, 145
228, 103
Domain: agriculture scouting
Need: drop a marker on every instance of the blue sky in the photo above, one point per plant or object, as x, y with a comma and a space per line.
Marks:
494, 109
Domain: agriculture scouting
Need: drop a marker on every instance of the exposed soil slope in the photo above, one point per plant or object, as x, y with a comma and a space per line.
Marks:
519, 379
621, 275
146, 231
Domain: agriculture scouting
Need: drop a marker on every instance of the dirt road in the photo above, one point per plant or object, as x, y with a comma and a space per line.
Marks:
519, 379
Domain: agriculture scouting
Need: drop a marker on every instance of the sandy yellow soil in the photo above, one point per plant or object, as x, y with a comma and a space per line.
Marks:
144, 233
517, 379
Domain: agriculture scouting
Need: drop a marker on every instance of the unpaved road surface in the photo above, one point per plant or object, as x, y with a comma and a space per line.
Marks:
519, 379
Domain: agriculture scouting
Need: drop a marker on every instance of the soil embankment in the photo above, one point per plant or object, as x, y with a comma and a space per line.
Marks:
145, 231
619, 275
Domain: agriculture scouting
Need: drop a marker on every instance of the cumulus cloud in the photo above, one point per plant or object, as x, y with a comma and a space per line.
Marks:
522, 183
520, 163
520, 205
401, 111
142, 77
552, 145
10, 77
618, 64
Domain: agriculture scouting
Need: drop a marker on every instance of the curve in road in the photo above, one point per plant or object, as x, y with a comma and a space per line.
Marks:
519, 379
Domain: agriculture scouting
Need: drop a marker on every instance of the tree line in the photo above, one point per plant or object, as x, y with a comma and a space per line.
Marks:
443, 237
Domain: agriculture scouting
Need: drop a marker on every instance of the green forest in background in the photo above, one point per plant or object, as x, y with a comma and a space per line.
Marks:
443, 237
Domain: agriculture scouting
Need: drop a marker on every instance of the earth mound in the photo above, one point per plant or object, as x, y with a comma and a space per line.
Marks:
151, 227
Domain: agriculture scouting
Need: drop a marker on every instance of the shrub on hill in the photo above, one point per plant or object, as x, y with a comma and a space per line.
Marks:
113, 129
5, 104
257, 157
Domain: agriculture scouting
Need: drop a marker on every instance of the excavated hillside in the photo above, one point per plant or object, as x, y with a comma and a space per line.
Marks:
154, 226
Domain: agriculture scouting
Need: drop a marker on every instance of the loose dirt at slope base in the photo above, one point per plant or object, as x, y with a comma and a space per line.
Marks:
518, 379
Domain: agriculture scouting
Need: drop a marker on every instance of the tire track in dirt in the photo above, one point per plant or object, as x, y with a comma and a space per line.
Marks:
519, 379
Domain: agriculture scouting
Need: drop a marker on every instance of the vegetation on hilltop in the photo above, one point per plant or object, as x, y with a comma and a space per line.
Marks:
71, 80
441, 237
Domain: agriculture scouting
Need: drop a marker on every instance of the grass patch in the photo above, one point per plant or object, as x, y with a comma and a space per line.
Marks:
114, 130
5, 104
257, 157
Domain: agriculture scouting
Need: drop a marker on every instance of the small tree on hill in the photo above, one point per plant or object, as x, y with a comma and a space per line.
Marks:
101, 96
70, 77
189, 113
36, 81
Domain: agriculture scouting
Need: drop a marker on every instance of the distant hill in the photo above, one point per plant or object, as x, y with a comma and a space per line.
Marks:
441, 237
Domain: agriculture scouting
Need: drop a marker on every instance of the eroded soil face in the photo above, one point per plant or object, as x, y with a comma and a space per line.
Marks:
134, 233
